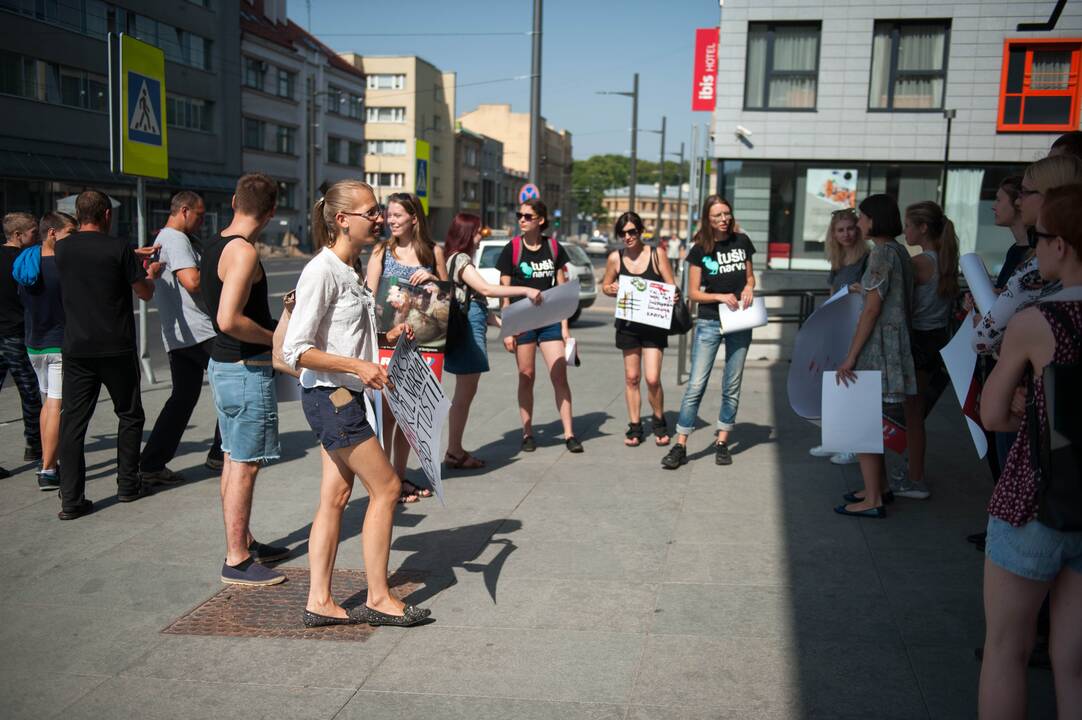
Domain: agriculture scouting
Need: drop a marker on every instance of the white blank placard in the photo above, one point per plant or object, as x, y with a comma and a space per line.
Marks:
853, 415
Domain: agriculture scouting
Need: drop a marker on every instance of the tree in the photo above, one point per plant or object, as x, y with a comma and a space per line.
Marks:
590, 179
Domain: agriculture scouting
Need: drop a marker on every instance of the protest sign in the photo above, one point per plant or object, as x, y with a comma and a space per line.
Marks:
960, 361
417, 402
559, 303
752, 316
434, 360
645, 301
425, 308
852, 414
980, 284
821, 345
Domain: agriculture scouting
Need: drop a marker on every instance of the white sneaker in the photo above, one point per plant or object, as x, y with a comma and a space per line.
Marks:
818, 451
844, 458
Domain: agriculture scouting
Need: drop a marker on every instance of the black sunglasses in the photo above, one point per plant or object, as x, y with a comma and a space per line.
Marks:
525, 216
625, 233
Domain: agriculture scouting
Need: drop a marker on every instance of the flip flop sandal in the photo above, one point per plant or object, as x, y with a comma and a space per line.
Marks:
404, 498
634, 432
420, 492
661, 430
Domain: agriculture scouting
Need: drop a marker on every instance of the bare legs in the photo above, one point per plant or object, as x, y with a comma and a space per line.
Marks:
49, 422
238, 482
465, 389
915, 436
368, 462
874, 471
553, 353
398, 449
649, 359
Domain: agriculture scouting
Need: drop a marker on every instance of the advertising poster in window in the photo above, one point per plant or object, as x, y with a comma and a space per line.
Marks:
827, 191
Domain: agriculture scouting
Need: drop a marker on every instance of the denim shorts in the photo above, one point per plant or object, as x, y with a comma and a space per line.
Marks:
468, 355
1033, 551
247, 406
336, 428
540, 335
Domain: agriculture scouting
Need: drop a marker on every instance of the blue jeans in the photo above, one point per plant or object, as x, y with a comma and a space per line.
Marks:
704, 351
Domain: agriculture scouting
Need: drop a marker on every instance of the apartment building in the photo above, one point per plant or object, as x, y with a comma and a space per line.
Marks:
303, 114
674, 209
410, 111
513, 130
54, 141
821, 103
479, 172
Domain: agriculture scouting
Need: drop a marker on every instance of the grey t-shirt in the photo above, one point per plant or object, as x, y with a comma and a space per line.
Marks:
183, 323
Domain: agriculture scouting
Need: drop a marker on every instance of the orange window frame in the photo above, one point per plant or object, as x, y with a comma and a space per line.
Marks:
1072, 45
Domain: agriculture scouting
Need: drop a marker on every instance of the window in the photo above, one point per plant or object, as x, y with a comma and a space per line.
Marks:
435, 153
336, 99
356, 107
437, 122
48, 82
386, 114
286, 140
188, 113
334, 150
436, 187
909, 65
471, 157
469, 190
386, 147
286, 81
255, 132
782, 66
356, 154
386, 82
1039, 89
255, 71
287, 195
382, 179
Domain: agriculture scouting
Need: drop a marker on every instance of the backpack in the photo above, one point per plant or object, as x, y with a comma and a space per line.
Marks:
1055, 445
458, 319
516, 252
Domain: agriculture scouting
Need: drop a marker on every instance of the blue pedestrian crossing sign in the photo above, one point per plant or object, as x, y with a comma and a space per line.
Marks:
139, 137
528, 191
424, 153
144, 109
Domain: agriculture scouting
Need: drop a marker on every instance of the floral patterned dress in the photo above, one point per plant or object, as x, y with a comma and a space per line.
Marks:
887, 348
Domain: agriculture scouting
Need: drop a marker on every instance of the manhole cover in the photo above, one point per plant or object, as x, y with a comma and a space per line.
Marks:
275, 611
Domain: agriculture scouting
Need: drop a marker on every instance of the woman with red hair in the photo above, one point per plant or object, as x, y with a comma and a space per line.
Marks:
466, 355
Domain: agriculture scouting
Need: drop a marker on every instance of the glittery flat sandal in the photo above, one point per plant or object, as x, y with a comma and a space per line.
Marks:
411, 616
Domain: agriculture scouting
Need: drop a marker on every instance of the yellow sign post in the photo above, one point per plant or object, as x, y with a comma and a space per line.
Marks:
422, 184
144, 141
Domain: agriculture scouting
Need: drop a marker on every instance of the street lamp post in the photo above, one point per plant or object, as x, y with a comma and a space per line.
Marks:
949, 115
634, 95
313, 127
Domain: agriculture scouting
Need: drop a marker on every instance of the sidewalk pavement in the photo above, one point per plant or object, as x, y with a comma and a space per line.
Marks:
563, 586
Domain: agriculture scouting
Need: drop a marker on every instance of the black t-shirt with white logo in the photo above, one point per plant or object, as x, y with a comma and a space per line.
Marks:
724, 271
535, 268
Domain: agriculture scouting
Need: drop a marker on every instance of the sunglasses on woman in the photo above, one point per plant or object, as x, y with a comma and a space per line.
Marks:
372, 214
1036, 236
525, 216
633, 232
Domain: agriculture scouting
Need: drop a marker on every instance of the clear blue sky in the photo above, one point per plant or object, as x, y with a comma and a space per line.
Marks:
589, 45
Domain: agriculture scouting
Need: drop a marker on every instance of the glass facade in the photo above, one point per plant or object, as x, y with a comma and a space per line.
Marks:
784, 206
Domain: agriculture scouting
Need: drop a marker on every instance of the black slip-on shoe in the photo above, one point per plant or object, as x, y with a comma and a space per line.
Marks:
573, 445
677, 456
411, 616
851, 497
314, 620
85, 507
132, 495
722, 456
528, 443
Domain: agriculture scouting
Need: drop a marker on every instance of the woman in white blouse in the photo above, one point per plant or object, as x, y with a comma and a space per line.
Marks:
332, 339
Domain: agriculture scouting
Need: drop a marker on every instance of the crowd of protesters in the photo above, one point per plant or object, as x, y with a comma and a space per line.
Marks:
66, 329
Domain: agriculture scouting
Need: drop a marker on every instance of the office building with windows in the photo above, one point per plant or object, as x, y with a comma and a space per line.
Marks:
410, 100
302, 112
821, 104
54, 141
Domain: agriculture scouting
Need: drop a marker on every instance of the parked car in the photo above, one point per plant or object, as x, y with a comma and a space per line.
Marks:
597, 246
579, 267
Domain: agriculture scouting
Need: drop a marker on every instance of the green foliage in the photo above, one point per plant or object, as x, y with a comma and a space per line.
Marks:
590, 179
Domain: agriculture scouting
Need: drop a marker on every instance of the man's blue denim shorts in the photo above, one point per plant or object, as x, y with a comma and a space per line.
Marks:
540, 335
336, 428
247, 406
1033, 551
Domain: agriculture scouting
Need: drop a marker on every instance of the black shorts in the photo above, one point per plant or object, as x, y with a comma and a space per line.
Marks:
925, 345
336, 428
634, 340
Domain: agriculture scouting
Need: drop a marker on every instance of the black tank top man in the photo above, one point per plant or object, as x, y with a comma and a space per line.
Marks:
227, 348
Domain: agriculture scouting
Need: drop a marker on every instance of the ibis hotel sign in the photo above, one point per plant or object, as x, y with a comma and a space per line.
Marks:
704, 87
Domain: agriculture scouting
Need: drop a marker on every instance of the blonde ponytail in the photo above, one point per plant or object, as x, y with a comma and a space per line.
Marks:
944, 239
339, 198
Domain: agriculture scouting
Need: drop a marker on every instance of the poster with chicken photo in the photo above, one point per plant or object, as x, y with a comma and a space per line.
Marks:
826, 191
425, 308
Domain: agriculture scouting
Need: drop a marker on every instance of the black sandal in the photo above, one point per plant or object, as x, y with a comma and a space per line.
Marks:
661, 430
634, 432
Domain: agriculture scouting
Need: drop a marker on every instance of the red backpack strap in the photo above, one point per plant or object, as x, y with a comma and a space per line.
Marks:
516, 250
555, 249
